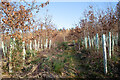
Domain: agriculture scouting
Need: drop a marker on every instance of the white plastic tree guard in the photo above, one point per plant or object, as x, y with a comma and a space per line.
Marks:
50, 44
89, 42
97, 41
86, 42
10, 56
46, 43
38, 44
24, 52
30, 45
41, 44
104, 53
35, 45
110, 44
92, 42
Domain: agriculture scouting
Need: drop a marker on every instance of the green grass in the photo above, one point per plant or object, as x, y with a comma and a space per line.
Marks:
85, 62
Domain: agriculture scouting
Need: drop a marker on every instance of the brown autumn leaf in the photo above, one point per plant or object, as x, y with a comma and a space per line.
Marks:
28, 4
31, 15
41, 25
42, 5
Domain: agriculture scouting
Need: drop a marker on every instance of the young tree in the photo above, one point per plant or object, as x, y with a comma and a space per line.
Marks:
18, 17
118, 13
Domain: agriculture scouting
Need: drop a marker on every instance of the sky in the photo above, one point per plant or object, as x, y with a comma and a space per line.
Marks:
66, 14
68, 0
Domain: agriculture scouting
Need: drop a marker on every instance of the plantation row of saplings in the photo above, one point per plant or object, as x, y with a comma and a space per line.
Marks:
35, 44
18, 39
11, 45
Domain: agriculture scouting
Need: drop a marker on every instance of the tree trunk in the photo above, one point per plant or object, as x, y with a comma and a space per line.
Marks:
3, 47
0, 58
119, 34
119, 23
